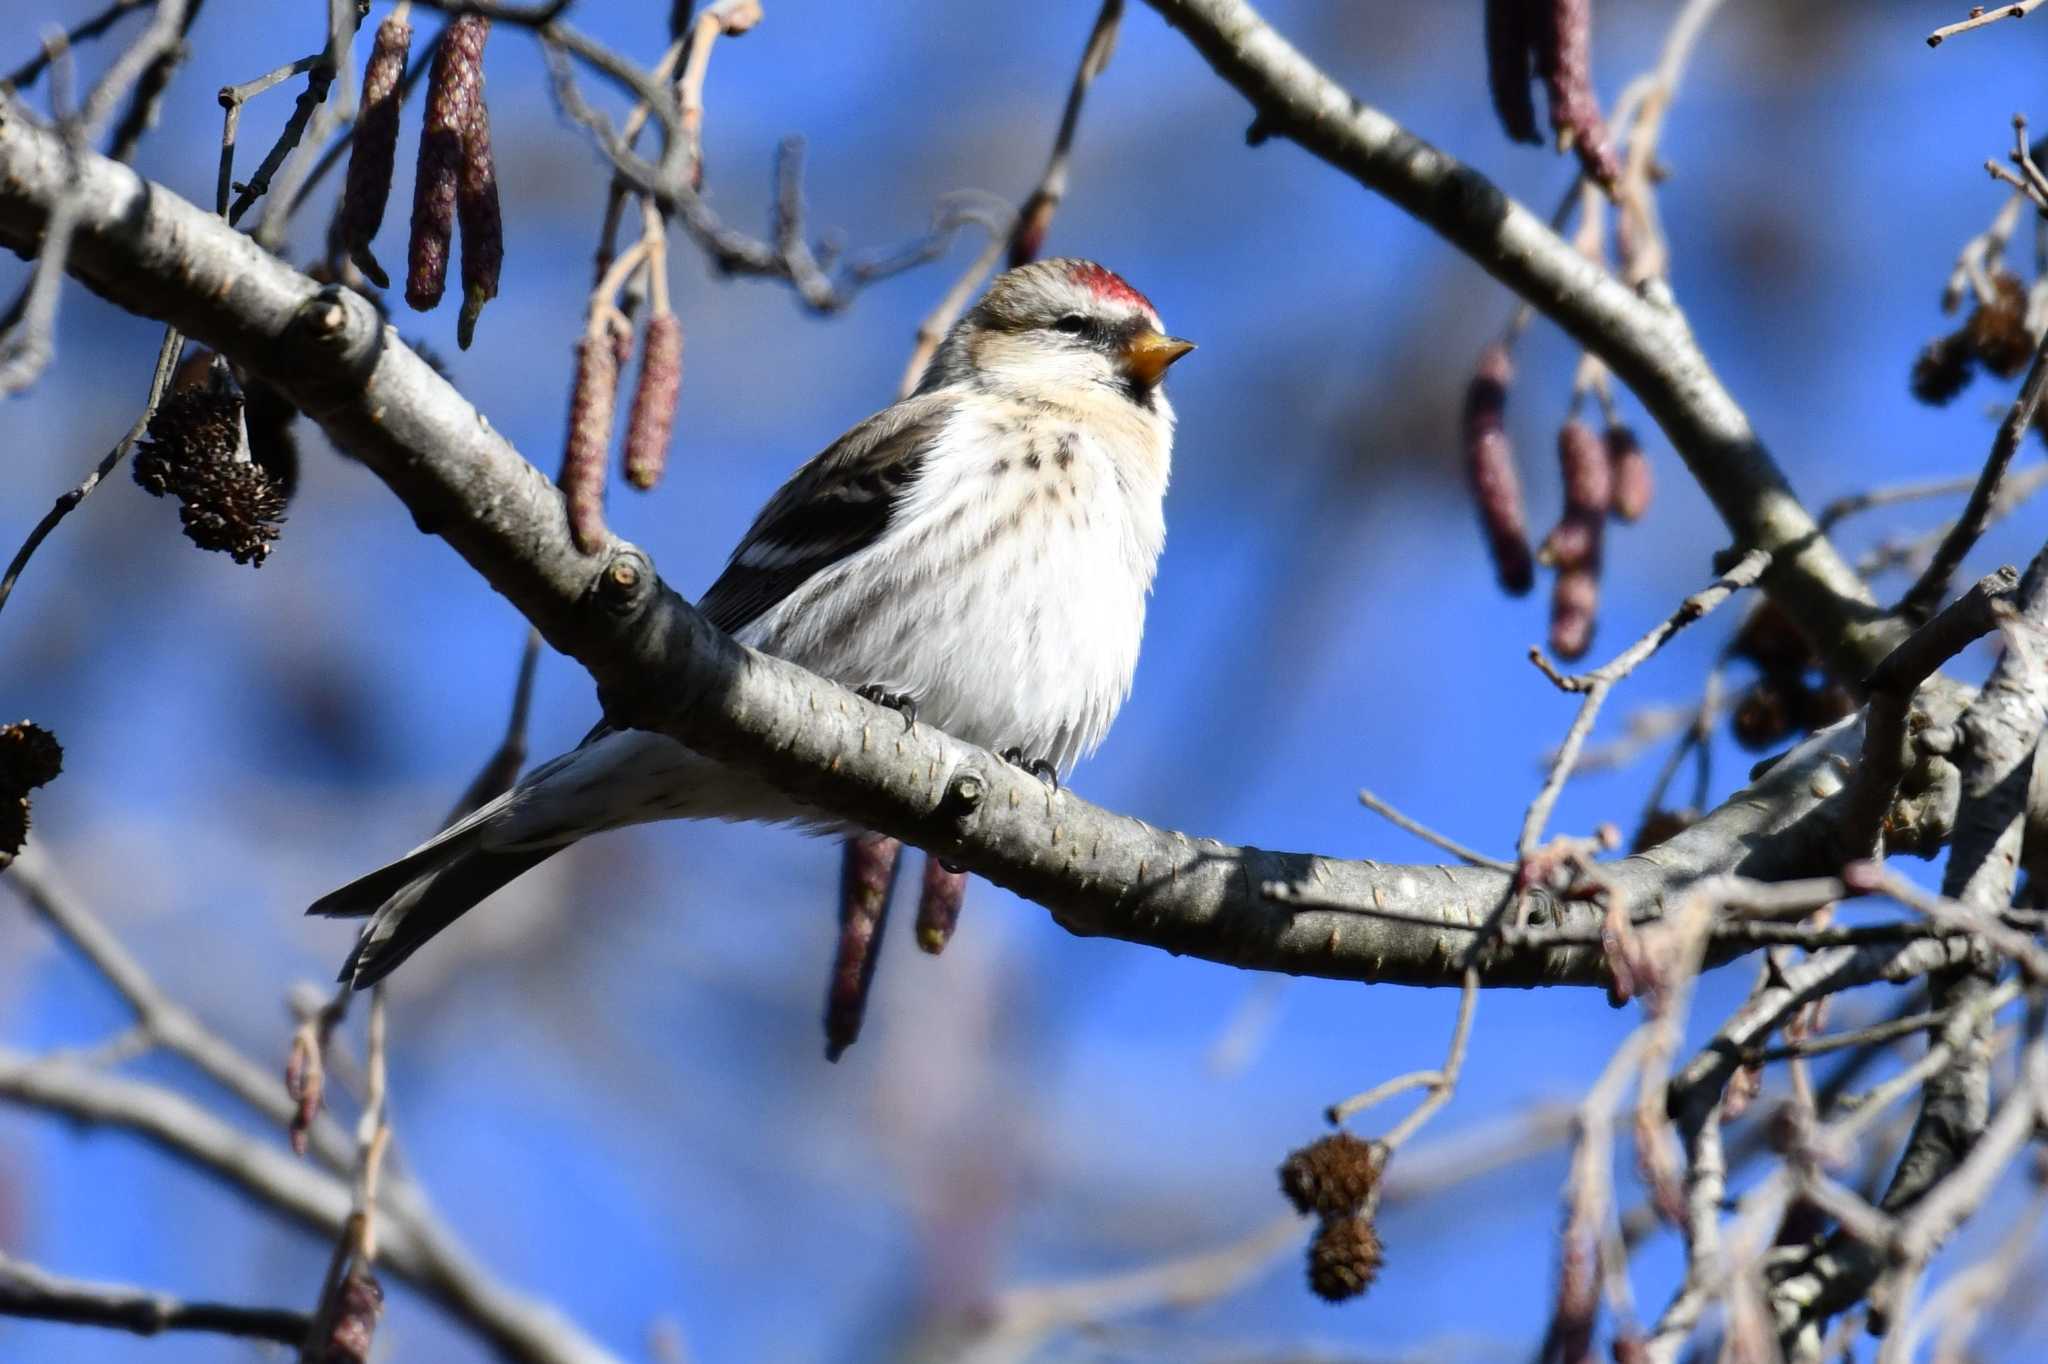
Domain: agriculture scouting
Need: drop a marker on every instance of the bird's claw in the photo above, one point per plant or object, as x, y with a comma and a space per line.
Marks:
903, 703
1037, 767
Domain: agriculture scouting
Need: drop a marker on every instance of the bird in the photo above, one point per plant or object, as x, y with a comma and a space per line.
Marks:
978, 554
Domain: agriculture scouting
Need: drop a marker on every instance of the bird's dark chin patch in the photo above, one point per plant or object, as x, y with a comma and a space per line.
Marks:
1143, 394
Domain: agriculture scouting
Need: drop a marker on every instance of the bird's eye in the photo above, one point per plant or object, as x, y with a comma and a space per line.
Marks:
1072, 324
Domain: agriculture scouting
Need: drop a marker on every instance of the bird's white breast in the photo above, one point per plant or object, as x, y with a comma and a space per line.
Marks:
1007, 597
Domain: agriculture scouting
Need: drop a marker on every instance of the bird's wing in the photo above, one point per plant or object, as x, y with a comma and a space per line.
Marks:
833, 507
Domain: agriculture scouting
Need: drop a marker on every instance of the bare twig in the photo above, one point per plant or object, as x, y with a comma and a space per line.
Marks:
26, 1291
1428, 835
1027, 236
1595, 686
1981, 15
160, 378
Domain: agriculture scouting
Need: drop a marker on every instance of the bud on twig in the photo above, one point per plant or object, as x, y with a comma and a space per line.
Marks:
866, 879
1634, 484
652, 423
938, 905
483, 226
30, 756
375, 149
1344, 1258
590, 437
453, 88
1490, 471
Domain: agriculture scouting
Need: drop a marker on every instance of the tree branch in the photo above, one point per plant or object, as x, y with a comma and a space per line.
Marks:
26, 1291
1643, 336
659, 665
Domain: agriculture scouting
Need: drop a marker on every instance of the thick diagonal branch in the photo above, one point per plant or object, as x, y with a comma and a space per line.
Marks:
660, 665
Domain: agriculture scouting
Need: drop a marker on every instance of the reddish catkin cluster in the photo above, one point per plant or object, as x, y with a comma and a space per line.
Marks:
1995, 337
1336, 1179
374, 152
30, 756
1490, 471
455, 174
1552, 39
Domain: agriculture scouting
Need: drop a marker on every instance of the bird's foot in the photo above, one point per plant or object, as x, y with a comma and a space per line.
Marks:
903, 703
1037, 767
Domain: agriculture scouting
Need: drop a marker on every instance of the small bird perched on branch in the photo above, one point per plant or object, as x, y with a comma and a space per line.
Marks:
978, 554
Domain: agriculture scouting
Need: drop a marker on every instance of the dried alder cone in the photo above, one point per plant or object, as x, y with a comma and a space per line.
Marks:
1552, 39
30, 756
1490, 471
454, 90
1344, 1258
1789, 696
374, 152
1331, 1177
1337, 1178
1995, 336
196, 451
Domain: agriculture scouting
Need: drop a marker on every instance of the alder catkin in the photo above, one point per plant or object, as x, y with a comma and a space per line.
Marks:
453, 86
652, 422
590, 436
866, 878
1507, 68
1588, 496
1490, 472
374, 151
1574, 603
483, 225
938, 905
1634, 485
1564, 58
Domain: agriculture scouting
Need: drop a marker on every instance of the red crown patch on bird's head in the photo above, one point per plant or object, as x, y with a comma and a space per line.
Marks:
1107, 284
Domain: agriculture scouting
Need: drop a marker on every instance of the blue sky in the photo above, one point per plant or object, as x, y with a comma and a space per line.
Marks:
610, 1077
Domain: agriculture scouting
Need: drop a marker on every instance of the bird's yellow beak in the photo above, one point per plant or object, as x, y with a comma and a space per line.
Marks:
1149, 353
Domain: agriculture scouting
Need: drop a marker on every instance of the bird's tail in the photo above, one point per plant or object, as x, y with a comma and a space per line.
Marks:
613, 778
410, 900
417, 896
